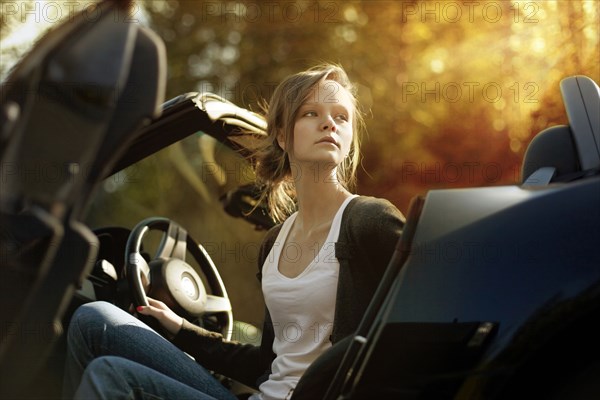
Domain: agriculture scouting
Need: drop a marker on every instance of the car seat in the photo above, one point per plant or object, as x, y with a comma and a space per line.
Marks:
69, 108
564, 153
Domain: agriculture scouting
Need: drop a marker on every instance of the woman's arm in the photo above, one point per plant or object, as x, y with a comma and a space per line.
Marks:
243, 362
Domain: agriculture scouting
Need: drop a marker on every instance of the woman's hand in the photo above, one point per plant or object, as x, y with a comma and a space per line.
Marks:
167, 318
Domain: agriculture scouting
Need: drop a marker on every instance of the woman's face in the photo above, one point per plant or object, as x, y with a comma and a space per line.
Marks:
323, 128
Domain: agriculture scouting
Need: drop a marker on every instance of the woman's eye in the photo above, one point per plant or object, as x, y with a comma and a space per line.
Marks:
310, 114
342, 117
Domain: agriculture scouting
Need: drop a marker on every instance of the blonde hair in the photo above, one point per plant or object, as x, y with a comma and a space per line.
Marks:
272, 165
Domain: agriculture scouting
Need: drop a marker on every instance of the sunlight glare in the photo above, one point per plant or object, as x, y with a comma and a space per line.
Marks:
26, 33
437, 66
538, 45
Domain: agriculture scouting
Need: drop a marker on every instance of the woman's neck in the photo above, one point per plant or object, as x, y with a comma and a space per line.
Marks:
319, 198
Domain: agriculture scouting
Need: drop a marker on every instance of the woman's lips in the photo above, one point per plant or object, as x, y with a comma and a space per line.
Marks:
329, 139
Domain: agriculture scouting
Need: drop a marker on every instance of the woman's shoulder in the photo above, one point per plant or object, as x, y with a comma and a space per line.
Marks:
366, 215
372, 225
365, 207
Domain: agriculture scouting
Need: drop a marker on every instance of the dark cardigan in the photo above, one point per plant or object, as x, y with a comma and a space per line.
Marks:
370, 229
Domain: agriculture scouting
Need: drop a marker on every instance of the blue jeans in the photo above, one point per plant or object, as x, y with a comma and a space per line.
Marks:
113, 355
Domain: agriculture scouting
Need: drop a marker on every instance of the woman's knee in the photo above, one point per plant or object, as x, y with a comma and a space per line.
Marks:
90, 311
89, 318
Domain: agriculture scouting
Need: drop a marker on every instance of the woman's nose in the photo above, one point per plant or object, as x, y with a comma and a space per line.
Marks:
329, 125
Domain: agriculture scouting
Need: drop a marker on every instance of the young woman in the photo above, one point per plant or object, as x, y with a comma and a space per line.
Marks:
318, 269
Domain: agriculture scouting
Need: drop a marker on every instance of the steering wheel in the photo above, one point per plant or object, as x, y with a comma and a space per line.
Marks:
170, 279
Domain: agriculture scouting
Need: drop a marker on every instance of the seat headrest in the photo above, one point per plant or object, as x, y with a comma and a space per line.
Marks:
552, 147
572, 150
581, 97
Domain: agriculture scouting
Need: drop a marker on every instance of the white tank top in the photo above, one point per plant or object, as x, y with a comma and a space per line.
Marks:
301, 308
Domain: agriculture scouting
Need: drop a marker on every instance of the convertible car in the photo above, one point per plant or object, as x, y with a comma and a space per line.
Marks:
492, 293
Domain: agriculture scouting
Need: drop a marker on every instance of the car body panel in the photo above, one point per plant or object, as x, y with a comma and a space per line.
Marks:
524, 261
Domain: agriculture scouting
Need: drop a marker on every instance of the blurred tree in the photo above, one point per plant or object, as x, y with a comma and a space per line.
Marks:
577, 37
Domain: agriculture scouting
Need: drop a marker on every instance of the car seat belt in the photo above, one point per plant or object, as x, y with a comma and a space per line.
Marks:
541, 177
